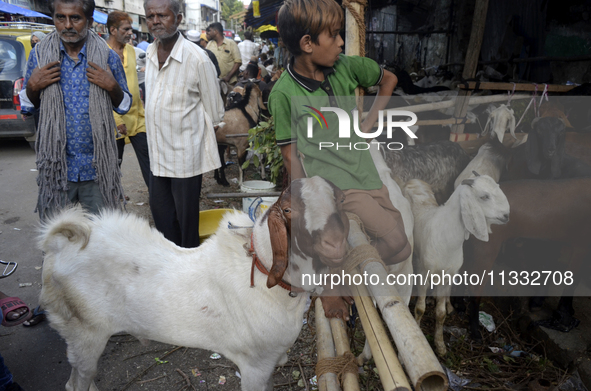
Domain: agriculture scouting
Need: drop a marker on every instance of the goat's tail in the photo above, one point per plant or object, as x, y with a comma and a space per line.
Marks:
70, 227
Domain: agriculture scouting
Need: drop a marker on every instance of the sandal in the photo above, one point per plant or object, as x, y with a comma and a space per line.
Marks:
9, 304
38, 316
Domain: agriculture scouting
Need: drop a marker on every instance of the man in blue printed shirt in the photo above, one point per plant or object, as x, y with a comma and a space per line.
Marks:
82, 81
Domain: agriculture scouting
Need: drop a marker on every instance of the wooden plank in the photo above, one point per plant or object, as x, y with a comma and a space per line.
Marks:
478, 24
518, 86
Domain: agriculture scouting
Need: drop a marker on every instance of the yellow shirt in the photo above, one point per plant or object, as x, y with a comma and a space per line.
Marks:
134, 120
227, 54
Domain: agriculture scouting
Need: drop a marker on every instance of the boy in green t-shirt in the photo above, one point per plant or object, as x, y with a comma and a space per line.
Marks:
318, 73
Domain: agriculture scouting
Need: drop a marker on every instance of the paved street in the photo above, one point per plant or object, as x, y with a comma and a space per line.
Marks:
36, 356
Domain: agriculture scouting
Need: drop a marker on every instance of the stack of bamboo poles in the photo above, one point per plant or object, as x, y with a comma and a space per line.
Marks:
422, 367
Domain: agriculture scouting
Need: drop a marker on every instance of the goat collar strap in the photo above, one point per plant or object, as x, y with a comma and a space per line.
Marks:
293, 290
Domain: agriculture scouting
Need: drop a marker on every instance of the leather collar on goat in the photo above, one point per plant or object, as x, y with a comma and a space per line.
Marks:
293, 290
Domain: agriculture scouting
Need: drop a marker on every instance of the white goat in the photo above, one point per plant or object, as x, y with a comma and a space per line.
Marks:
94, 286
440, 231
492, 156
491, 159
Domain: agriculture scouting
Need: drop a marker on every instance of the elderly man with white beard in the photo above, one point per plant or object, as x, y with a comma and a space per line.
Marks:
183, 104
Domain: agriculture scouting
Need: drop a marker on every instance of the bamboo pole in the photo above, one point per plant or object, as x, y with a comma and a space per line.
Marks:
475, 100
243, 195
448, 121
353, 44
391, 373
341, 343
474, 45
418, 358
325, 345
585, 57
519, 86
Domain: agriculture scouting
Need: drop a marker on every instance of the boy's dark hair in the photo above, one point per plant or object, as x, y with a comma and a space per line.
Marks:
251, 71
248, 35
87, 6
264, 57
297, 18
216, 26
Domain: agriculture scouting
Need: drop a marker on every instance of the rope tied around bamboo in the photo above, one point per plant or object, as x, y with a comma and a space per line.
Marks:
347, 4
347, 363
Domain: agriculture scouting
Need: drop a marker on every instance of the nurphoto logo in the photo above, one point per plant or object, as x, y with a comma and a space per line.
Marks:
345, 127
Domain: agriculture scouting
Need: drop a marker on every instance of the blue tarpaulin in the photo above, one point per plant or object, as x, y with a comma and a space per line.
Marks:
100, 17
15, 9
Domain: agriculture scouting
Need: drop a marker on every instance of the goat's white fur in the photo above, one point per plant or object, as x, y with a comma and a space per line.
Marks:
440, 231
500, 119
483, 163
94, 286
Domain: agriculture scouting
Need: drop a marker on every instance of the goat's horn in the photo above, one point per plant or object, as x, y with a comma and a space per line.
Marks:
475, 173
468, 182
533, 122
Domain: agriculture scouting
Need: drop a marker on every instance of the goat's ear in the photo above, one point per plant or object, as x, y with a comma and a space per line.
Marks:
279, 244
511, 125
473, 216
532, 152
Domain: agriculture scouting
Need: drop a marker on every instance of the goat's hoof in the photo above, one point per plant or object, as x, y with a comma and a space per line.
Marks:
441, 351
223, 183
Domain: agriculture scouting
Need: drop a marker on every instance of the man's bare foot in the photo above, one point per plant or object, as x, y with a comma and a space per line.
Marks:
38, 317
336, 302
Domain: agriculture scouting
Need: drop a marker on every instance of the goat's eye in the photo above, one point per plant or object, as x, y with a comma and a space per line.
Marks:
287, 210
485, 197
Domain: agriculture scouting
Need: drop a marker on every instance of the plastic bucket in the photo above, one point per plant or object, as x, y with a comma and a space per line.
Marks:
255, 206
209, 221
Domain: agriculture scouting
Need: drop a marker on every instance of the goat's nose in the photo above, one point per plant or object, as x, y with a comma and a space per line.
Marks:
506, 217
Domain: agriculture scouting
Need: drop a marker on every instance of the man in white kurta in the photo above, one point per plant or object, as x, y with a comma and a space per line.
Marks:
183, 104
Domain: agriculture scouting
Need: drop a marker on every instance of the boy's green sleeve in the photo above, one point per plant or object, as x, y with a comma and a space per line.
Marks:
367, 72
280, 109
